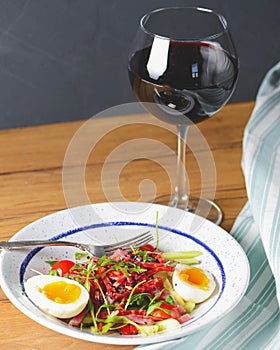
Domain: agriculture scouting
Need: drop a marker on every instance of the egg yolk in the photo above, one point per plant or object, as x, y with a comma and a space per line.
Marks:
61, 292
196, 277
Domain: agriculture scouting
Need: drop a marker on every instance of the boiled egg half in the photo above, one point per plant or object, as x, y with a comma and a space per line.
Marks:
57, 296
193, 283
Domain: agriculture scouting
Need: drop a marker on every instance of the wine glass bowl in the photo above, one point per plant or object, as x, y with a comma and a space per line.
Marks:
183, 68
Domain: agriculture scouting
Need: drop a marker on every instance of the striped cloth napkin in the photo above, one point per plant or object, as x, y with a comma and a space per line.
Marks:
254, 323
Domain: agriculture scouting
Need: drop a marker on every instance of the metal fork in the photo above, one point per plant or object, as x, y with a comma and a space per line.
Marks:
91, 249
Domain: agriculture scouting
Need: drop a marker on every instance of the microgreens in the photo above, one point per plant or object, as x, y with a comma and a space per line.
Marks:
80, 255
113, 322
51, 262
140, 300
131, 293
113, 285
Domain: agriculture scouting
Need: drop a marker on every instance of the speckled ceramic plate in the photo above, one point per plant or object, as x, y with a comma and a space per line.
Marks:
106, 222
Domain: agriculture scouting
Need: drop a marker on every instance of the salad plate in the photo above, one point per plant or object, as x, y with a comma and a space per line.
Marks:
173, 230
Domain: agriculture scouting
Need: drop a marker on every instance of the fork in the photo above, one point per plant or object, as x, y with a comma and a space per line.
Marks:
91, 249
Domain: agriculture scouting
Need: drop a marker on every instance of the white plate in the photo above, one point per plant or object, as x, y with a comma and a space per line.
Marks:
178, 230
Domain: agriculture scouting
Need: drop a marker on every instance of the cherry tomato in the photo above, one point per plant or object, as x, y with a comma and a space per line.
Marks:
160, 313
63, 267
167, 306
174, 310
147, 247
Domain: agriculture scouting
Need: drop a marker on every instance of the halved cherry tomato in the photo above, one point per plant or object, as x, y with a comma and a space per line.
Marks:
147, 247
167, 306
63, 267
174, 310
161, 314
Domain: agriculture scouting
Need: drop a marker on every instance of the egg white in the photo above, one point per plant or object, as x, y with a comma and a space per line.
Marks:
33, 286
190, 292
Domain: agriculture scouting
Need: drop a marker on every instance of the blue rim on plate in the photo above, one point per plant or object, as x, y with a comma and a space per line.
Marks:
30, 256
222, 256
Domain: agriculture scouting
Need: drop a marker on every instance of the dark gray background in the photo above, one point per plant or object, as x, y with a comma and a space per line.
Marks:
66, 60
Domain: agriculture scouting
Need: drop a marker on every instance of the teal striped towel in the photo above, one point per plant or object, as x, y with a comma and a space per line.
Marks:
254, 323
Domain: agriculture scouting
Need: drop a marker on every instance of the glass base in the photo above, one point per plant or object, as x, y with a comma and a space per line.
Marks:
200, 206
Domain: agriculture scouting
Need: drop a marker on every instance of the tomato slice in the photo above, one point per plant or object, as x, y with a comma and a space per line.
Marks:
63, 267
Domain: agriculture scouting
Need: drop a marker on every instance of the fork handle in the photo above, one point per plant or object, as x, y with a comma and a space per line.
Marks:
39, 243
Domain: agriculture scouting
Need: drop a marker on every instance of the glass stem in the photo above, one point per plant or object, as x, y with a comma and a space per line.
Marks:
180, 198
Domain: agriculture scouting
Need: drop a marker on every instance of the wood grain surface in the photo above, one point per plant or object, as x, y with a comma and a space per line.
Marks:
44, 167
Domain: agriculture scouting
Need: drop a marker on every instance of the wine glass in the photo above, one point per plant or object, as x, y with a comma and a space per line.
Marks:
183, 68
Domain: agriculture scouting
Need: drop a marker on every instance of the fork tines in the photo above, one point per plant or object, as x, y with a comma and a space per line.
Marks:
135, 242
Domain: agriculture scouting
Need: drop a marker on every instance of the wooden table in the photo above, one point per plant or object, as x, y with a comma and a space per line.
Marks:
32, 160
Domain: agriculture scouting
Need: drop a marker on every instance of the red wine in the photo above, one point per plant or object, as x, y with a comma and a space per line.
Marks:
194, 80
